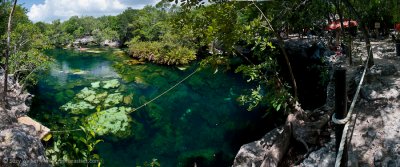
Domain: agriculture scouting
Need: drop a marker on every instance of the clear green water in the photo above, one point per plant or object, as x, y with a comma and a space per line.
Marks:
198, 122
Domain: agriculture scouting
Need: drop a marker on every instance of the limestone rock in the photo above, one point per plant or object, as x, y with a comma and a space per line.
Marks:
19, 144
252, 154
84, 41
110, 43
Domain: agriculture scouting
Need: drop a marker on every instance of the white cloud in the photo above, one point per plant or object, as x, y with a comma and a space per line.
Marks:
63, 9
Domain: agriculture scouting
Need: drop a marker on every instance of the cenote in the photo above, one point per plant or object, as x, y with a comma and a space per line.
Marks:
197, 122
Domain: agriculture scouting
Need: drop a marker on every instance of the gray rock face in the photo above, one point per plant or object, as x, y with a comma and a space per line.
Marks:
252, 154
19, 147
84, 41
321, 157
19, 143
110, 43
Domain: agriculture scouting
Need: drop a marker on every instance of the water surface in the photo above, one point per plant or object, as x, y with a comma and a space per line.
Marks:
197, 122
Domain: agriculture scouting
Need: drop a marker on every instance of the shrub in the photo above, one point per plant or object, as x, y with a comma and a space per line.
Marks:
161, 53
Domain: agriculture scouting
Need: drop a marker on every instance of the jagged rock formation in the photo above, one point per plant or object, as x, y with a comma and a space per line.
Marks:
19, 143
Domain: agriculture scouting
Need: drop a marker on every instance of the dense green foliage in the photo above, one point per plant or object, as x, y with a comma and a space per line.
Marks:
26, 46
216, 34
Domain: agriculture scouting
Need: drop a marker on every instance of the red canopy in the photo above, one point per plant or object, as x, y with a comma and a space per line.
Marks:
397, 27
336, 24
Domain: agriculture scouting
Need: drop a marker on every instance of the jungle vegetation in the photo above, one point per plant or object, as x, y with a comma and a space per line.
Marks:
178, 32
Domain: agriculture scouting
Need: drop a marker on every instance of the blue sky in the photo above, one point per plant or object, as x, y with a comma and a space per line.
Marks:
49, 10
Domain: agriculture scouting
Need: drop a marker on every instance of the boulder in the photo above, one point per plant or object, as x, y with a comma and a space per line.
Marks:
111, 43
252, 154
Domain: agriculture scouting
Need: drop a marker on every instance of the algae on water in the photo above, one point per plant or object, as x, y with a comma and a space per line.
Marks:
114, 83
101, 105
111, 121
77, 108
113, 99
95, 85
85, 92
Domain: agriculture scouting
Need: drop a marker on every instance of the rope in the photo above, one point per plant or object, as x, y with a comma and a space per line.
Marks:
166, 91
65, 131
143, 105
348, 117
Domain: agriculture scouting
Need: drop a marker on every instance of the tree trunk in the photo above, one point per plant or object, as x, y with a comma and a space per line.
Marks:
281, 42
365, 32
282, 47
6, 70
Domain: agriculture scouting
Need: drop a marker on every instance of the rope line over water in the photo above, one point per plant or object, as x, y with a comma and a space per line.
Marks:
166, 91
144, 104
347, 119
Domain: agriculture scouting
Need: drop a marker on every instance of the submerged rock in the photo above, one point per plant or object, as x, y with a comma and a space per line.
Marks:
141, 81
128, 99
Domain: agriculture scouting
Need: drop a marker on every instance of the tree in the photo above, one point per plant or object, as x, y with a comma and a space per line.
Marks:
124, 19
28, 46
7, 55
365, 32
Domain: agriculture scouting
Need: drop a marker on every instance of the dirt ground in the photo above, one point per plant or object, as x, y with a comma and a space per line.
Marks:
375, 140
376, 137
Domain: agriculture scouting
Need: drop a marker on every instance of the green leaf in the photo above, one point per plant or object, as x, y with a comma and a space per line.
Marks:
90, 148
92, 133
97, 141
278, 107
83, 140
96, 156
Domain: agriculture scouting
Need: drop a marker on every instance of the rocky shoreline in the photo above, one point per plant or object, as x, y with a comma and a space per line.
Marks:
20, 144
91, 41
375, 141
254, 153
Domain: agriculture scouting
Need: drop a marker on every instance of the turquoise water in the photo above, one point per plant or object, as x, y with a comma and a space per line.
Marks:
197, 122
